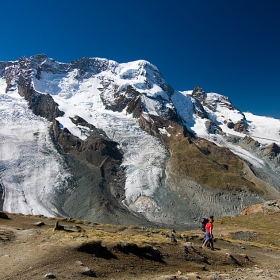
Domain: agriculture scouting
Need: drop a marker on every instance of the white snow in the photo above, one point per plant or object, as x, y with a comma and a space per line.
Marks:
220, 141
164, 131
265, 130
150, 105
182, 102
30, 169
144, 155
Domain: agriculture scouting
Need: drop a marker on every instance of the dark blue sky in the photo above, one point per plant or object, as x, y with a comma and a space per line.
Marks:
231, 47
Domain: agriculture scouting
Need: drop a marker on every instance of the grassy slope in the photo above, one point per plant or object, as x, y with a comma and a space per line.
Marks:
211, 165
261, 229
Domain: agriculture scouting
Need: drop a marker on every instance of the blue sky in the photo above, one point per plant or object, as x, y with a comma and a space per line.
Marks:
231, 47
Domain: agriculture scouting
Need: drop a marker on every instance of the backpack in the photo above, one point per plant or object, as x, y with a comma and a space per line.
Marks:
203, 221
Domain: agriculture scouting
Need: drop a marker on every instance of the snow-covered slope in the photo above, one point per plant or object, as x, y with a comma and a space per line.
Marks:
99, 90
31, 169
144, 155
265, 130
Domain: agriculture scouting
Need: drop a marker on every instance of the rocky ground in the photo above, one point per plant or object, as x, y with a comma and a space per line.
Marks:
36, 247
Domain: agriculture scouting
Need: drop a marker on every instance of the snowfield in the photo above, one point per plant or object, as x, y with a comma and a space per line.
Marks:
265, 130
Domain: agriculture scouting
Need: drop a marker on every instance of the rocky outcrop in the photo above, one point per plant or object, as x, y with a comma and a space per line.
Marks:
166, 130
2, 196
121, 98
273, 151
41, 104
18, 76
270, 152
199, 110
199, 94
135, 107
250, 141
241, 126
71, 228
98, 155
211, 127
88, 66
212, 102
271, 206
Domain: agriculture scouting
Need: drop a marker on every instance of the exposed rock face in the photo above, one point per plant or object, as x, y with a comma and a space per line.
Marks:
96, 153
271, 206
211, 127
135, 107
89, 66
1, 196
240, 127
166, 130
273, 151
230, 124
41, 105
199, 94
199, 110
252, 145
213, 102
121, 98
250, 141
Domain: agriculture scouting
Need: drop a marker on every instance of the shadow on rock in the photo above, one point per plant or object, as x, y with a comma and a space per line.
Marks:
97, 249
146, 252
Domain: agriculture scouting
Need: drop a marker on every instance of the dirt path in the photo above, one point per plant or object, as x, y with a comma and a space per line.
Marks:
29, 251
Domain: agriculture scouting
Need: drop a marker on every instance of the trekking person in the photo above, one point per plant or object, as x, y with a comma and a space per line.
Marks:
209, 233
203, 222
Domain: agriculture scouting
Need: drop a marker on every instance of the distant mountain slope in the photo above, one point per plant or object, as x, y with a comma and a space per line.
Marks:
116, 143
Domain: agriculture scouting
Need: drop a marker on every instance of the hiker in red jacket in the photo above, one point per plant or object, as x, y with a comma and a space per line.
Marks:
209, 233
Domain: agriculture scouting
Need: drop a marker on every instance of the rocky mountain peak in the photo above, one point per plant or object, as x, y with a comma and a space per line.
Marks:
92, 66
273, 151
129, 144
199, 94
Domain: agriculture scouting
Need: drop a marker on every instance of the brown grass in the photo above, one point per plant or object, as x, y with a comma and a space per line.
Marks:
211, 165
264, 228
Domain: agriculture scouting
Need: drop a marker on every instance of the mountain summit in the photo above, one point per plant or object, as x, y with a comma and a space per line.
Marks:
114, 142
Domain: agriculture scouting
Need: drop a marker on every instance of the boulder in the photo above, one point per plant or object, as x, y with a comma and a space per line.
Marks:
3, 215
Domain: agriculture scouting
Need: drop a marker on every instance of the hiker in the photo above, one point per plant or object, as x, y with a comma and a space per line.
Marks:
203, 222
209, 233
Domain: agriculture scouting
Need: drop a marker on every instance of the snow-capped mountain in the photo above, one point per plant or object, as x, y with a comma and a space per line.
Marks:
114, 142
